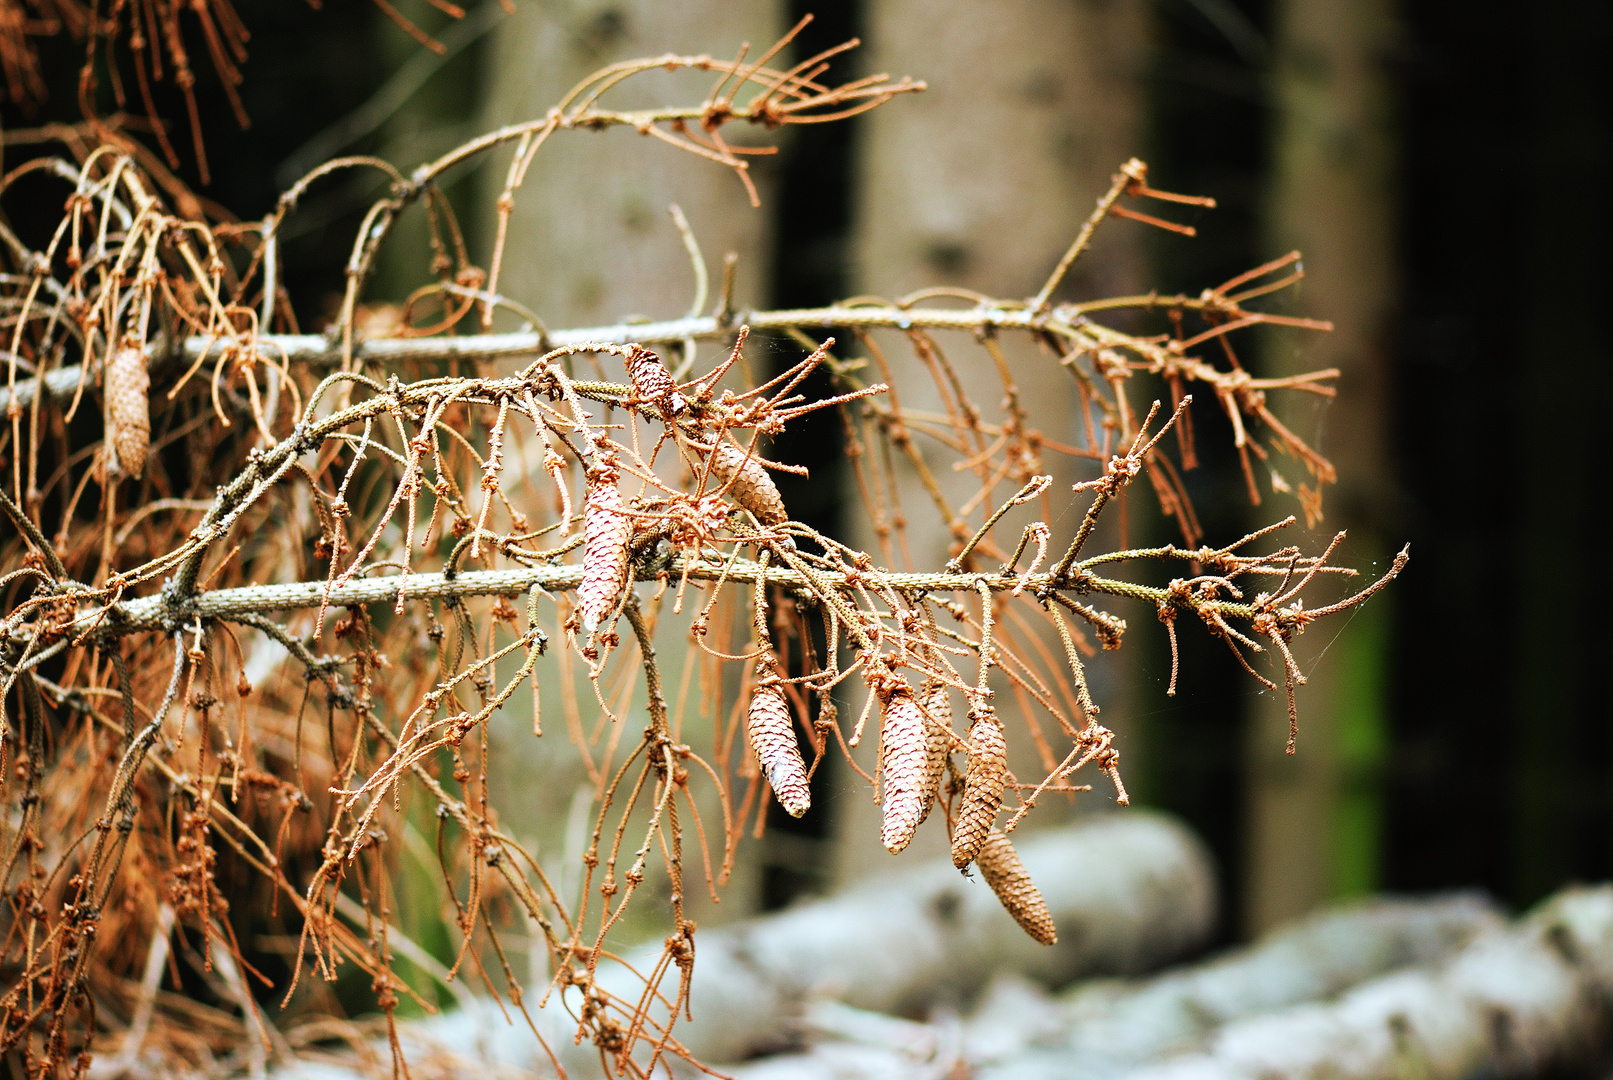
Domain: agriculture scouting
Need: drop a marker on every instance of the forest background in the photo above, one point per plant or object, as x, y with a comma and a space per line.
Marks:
1443, 168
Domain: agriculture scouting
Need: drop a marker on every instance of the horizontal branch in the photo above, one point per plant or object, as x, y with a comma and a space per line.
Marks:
157, 612
312, 348
59, 382
1067, 320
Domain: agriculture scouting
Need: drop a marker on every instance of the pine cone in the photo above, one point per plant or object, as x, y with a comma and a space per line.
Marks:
128, 413
754, 490
937, 746
607, 528
772, 740
902, 744
653, 382
1000, 866
982, 787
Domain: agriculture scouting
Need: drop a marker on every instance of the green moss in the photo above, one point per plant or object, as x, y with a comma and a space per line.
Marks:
1361, 654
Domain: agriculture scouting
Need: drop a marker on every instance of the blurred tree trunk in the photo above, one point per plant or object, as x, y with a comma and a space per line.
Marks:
591, 242
981, 182
1314, 819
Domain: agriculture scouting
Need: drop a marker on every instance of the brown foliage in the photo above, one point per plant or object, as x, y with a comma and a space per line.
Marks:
229, 679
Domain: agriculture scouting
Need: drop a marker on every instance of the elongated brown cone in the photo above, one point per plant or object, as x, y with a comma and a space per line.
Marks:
606, 531
128, 412
938, 703
902, 744
982, 787
754, 490
653, 382
772, 740
1000, 866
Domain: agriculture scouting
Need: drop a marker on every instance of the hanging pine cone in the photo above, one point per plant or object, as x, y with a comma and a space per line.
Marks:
754, 489
903, 750
128, 413
607, 528
982, 787
772, 740
938, 703
1000, 866
653, 382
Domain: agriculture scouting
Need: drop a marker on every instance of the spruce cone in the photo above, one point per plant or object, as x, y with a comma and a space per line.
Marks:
606, 531
983, 787
902, 744
937, 747
653, 382
772, 740
754, 490
128, 413
1000, 866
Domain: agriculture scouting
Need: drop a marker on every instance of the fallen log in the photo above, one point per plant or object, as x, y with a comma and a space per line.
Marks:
1511, 1004
1109, 1029
1128, 892
1104, 1029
